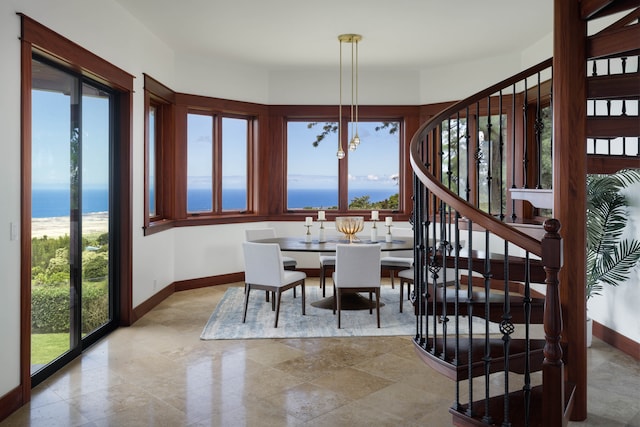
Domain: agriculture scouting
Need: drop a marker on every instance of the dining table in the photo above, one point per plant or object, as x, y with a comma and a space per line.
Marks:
349, 301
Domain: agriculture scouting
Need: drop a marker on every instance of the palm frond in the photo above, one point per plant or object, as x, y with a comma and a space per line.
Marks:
609, 259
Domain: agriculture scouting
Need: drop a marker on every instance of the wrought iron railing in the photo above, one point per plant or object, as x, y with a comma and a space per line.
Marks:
474, 259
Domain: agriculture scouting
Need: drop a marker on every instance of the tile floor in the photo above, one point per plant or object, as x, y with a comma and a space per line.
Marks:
158, 373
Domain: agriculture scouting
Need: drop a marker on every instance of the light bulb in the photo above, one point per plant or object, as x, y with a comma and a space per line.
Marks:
352, 145
340, 154
356, 140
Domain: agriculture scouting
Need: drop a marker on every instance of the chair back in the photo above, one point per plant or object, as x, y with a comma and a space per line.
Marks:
263, 263
252, 234
357, 265
402, 233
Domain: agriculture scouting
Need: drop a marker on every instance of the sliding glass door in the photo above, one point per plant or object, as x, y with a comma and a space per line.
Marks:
72, 296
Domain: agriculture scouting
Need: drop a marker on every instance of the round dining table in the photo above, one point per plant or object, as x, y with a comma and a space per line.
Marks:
298, 244
349, 301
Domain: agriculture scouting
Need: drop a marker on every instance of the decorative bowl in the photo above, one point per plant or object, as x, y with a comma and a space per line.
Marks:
349, 226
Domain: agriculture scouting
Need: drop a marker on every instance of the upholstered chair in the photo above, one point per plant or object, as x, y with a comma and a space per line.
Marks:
264, 270
357, 270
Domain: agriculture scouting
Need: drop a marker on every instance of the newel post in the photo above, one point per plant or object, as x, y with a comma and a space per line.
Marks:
553, 400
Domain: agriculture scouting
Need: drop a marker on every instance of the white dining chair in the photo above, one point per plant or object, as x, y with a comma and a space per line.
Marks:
399, 261
357, 270
327, 265
445, 277
263, 270
253, 234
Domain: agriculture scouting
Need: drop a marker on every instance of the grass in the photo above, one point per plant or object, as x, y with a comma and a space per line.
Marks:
47, 347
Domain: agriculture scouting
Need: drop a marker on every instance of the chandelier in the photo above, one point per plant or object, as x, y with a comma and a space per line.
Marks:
354, 39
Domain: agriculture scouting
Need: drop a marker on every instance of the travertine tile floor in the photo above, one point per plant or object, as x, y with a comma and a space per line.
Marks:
158, 373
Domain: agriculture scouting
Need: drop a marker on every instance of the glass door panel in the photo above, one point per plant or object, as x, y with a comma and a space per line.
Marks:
53, 98
95, 209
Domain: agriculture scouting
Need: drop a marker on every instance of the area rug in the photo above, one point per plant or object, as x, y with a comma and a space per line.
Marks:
226, 320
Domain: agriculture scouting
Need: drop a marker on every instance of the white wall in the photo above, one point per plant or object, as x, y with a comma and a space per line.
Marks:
617, 307
10, 196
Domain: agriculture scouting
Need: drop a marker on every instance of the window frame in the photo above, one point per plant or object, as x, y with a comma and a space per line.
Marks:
217, 158
407, 117
163, 100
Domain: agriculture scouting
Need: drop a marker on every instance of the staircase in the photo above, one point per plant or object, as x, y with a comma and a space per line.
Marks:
483, 208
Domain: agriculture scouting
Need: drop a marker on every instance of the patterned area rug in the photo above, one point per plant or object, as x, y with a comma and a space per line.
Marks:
226, 320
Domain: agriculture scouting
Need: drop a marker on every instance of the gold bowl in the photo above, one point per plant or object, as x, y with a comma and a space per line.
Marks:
349, 226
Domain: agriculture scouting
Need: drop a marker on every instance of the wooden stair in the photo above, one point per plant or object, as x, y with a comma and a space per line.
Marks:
442, 356
518, 409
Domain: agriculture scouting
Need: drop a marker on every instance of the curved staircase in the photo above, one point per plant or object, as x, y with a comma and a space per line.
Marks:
483, 208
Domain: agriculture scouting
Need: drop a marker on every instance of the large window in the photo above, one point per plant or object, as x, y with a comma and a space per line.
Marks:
368, 177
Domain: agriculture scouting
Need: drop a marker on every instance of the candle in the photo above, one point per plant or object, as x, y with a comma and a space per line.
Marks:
308, 221
321, 216
388, 220
375, 216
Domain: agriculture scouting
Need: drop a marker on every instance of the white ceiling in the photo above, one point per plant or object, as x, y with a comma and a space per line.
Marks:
283, 34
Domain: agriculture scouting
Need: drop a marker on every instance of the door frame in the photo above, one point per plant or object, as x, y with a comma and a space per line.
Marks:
47, 43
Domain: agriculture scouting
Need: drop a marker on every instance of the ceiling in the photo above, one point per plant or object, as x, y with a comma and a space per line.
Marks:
285, 34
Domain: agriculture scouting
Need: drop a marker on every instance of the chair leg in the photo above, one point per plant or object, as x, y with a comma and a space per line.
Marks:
273, 300
266, 296
337, 302
277, 296
247, 288
378, 305
335, 298
370, 303
303, 299
401, 295
391, 274
323, 279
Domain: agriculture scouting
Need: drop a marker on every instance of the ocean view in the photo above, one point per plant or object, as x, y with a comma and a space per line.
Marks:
48, 203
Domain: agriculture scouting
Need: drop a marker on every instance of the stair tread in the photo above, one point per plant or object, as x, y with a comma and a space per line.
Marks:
516, 409
443, 356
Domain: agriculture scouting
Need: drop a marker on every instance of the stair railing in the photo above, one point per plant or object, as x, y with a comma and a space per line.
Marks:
470, 262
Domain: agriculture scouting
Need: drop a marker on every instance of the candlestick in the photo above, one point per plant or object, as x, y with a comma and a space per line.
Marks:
321, 216
374, 232
307, 237
375, 216
321, 237
388, 237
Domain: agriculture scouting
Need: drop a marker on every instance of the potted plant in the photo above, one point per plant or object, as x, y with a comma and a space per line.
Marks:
610, 259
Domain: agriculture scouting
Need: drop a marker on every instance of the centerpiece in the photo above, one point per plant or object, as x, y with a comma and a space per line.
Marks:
349, 226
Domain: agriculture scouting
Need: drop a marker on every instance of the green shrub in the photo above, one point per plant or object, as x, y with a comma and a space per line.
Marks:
50, 308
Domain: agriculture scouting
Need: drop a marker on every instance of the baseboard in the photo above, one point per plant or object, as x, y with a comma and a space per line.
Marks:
203, 282
11, 402
617, 340
155, 299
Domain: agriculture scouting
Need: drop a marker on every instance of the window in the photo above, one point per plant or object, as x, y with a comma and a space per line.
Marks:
374, 167
312, 166
366, 178
199, 163
235, 140
153, 185
216, 159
